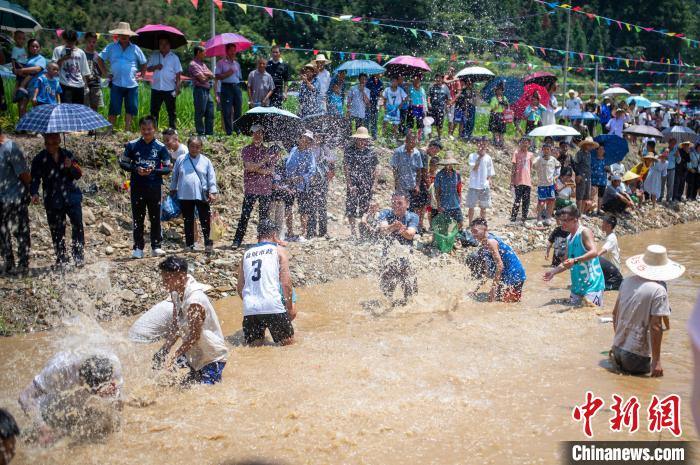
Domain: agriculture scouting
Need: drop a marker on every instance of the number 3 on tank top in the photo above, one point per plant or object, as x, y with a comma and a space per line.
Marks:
257, 264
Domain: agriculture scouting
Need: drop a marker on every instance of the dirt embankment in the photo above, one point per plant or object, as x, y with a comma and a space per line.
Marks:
112, 284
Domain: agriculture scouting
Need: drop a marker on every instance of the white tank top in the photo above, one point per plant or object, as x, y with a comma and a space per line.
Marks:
261, 290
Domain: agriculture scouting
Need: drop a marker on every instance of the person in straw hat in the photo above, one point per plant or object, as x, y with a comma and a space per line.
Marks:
617, 124
657, 172
125, 59
581, 163
640, 308
323, 79
448, 187
360, 161
308, 91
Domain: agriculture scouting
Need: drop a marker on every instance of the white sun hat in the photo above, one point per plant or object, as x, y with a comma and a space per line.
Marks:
655, 265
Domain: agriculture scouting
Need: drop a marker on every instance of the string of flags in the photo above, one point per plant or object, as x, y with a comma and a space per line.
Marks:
621, 25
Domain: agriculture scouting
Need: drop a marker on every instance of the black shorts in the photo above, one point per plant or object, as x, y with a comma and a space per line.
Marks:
419, 200
283, 196
305, 201
279, 324
357, 203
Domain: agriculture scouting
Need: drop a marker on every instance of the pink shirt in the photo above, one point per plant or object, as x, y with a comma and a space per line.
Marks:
523, 168
254, 183
198, 68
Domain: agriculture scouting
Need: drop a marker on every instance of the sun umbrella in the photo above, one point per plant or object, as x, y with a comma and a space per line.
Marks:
680, 133
475, 73
655, 105
542, 78
615, 147
615, 91
335, 129
216, 46
64, 117
528, 91
149, 35
406, 65
278, 125
13, 17
513, 88
554, 130
585, 116
357, 67
643, 131
669, 103
641, 102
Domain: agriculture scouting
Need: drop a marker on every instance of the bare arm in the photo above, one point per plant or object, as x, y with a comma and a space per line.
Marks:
615, 313
195, 320
656, 330
286, 281
241, 279
101, 65
589, 245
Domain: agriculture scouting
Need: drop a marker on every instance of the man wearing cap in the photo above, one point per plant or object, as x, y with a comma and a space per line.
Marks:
641, 305
228, 72
125, 59
581, 164
323, 79
280, 72
301, 167
360, 162
447, 187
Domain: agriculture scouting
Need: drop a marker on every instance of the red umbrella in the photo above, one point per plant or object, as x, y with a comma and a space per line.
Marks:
542, 78
216, 46
149, 35
524, 100
406, 65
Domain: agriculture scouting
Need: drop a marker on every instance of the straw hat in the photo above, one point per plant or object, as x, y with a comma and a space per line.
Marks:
123, 29
588, 142
321, 58
688, 143
308, 134
620, 110
655, 265
449, 159
311, 65
361, 133
573, 93
630, 176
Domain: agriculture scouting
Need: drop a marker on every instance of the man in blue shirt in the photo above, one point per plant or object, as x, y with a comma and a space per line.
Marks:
406, 163
375, 87
148, 161
397, 224
125, 60
301, 166
446, 187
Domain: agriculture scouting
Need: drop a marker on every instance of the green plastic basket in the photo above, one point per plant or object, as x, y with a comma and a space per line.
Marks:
445, 233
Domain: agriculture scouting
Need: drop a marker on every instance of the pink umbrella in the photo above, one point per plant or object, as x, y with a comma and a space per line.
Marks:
216, 46
149, 35
522, 103
406, 65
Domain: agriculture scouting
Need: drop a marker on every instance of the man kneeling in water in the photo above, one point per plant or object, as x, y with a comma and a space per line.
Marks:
262, 271
496, 259
76, 394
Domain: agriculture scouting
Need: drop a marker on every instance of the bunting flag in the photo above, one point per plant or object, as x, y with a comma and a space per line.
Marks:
291, 14
352, 55
219, 4
195, 3
59, 33
314, 17
415, 33
269, 11
243, 7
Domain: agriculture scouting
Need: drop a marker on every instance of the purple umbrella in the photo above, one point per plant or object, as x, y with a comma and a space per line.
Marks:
406, 65
150, 34
216, 46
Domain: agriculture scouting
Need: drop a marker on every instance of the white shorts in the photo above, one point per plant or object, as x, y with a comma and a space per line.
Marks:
451, 114
589, 300
479, 198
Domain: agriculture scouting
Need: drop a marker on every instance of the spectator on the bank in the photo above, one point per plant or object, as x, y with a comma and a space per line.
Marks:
280, 72
125, 60
566, 188
599, 178
438, 97
47, 87
360, 164
605, 113
406, 164
417, 106
201, 89
498, 104
655, 177
421, 201
172, 142
454, 85
547, 168
74, 69
55, 170
682, 162
693, 176
376, 87
591, 106
147, 160
641, 306
323, 80
615, 199
165, 86
27, 74
94, 93
325, 171
617, 124
301, 167
228, 73
14, 199
8, 437
521, 179
482, 170
261, 86
335, 100
448, 189
573, 105
610, 248
581, 164
562, 154
359, 102
393, 97
308, 93
534, 112
258, 170
465, 109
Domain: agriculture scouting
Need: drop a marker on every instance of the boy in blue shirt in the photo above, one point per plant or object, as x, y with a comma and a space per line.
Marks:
47, 90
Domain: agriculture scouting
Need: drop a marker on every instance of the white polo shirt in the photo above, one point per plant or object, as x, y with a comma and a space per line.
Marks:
164, 79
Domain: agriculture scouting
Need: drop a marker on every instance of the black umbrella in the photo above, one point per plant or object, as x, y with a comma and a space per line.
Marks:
335, 129
278, 125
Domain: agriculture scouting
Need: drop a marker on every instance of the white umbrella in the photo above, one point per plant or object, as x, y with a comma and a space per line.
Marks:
554, 130
655, 105
475, 73
615, 91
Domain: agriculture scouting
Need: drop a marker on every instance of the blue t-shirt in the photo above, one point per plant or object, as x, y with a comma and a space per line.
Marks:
335, 104
48, 89
138, 153
375, 89
410, 220
447, 183
301, 163
406, 167
36, 60
416, 96
598, 175
124, 62
513, 271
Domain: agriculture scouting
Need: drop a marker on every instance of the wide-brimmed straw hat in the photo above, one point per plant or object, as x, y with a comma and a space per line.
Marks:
308, 134
321, 58
629, 176
688, 143
655, 265
123, 29
620, 110
449, 159
361, 133
311, 65
650, 156
573, 93
588, 142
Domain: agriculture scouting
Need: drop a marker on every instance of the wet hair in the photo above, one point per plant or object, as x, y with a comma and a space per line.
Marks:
69, 36
611, 220
148, 119
267, 228
173, 264
399, 194
90, 35
571, 210
480, 222
261, 60
197, 50
8, 425
169, 132
96, 370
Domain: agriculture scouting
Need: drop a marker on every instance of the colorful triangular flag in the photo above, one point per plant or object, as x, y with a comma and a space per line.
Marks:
243, 7
195, 3
314, 16
291, 14
219, 4
414, 32
269, 11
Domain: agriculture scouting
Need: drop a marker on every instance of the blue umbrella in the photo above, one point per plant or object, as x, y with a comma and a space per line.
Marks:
65, 117
615, 147
641, 102
13, 17
585, 116
513, 88
357, 67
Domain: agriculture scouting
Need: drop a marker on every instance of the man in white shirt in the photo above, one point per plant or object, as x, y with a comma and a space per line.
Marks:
165, 86
611, 248
323, 78
482, 171
73, 68
617, 124
358, 102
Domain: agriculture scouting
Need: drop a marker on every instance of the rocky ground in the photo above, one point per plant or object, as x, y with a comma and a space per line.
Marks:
113, 284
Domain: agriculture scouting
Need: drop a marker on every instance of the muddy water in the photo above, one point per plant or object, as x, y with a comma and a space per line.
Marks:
447, 380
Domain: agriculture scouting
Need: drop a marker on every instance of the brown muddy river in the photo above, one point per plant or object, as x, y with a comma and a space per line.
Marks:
446, 380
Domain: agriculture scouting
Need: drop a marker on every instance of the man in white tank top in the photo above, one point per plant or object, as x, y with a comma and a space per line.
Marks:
195, 322
263, 271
